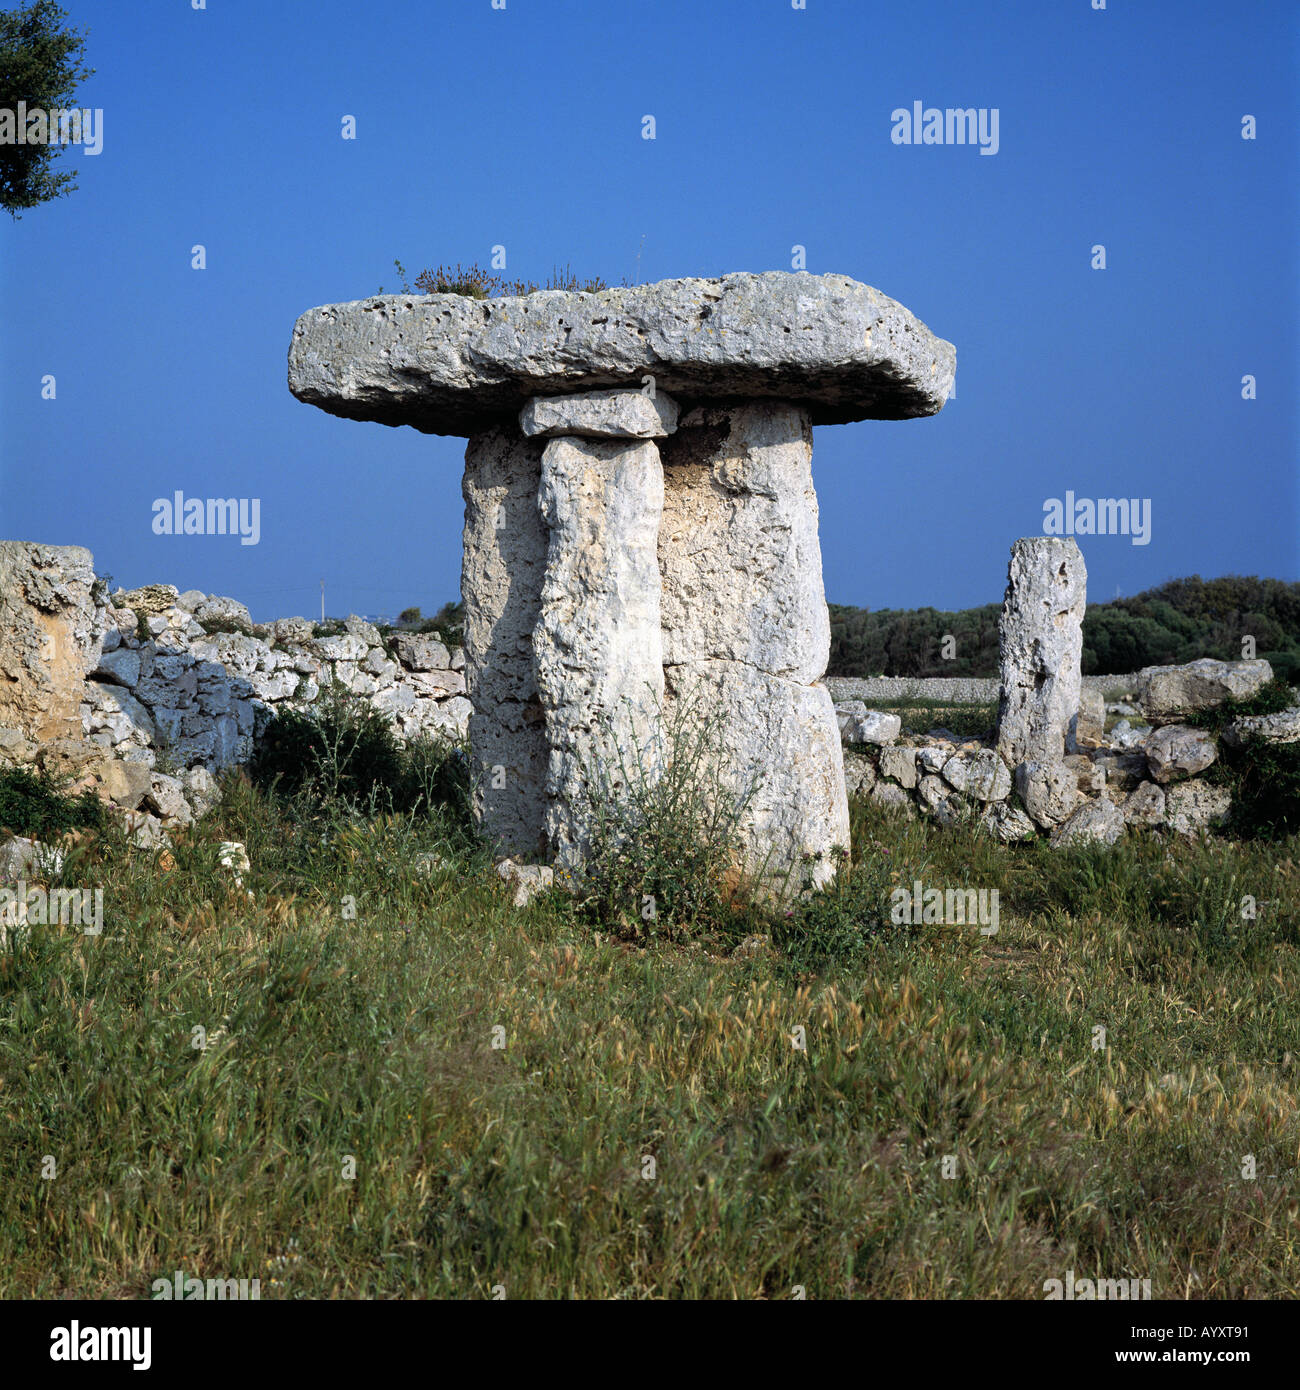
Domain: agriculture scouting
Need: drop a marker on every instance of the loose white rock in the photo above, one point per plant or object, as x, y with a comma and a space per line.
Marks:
1049, 790
1191, 807
1097, 822
1174, 751
1169, 693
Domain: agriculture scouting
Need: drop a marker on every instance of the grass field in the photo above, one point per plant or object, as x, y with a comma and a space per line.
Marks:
645, 1125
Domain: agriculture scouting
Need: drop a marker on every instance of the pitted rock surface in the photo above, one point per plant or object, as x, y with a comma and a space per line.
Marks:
448, 364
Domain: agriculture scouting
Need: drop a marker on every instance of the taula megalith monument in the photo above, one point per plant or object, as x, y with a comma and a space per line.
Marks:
640, 525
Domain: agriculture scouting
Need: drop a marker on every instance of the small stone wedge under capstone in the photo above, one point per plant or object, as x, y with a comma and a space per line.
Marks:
601, 415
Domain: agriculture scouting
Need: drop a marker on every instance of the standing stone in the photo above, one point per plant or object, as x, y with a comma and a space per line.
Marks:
746, 630
598, 648
501, 580
779, 755
744, 622
1041, 640
739, 551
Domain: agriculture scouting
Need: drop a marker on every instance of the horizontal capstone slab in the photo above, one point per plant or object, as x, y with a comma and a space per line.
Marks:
448, 364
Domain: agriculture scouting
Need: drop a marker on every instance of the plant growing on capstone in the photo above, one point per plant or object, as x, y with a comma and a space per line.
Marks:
474, 282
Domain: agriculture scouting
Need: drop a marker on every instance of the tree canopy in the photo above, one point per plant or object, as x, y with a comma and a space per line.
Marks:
41, 64
1177, 622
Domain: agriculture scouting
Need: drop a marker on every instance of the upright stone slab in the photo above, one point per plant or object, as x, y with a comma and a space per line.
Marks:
502, 567
598, 644
1041, 641
746, 628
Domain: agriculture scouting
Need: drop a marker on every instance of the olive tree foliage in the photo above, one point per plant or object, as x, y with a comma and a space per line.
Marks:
41, 64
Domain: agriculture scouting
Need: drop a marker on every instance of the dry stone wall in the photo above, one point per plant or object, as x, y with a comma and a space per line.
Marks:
1051, 766
143, 696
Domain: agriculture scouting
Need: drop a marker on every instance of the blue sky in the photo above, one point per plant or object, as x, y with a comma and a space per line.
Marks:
522, 127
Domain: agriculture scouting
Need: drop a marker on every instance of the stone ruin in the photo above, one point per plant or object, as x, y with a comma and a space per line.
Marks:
1051, 765
144, 695
630, 550
640, 526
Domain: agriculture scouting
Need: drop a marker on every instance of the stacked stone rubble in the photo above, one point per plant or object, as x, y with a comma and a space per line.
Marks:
1050, 766
146, 694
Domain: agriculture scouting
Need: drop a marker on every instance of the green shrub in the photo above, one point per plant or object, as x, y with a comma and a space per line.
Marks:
36, 804
664, 855
344, 752
213, 626
831, 928
1263, 778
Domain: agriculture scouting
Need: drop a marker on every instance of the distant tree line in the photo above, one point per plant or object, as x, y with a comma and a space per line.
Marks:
1179, 621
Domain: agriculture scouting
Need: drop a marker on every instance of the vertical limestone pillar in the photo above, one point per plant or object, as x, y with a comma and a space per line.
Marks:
746, 631
1040, 636
502, 567
598, 641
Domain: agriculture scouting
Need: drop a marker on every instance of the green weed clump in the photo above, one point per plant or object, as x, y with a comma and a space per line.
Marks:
1263, 778
447, 624
664, 853
474, 282
343, 753
33, 803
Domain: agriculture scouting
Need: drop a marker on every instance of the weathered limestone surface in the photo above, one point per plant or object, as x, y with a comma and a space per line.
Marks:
780, 753
601, 415
1088, 729
1095, 822
504, 560
447, 364
1175, 752
50, 637
1170, 693
1041, 641
1194, 806
746, 632
738, 548
1049, 790
597, 646
1282, 727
